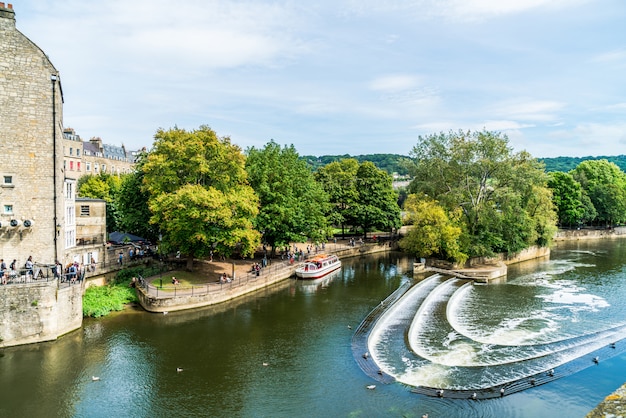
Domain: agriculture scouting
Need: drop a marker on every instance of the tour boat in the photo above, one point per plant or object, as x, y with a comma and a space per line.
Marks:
318, 266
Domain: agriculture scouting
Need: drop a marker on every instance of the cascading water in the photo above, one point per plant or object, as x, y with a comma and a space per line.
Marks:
449, 334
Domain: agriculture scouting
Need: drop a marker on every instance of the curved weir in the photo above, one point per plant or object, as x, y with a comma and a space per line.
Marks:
426, 336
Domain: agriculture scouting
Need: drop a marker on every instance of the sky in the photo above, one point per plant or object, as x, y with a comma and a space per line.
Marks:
341, 76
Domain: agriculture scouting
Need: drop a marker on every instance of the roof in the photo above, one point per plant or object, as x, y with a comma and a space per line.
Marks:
123, 237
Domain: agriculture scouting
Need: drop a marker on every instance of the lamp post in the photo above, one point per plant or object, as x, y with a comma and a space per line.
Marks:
53, 79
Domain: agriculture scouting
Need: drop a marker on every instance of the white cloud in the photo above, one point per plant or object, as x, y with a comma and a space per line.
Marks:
618, 55
528, 109
457, 10
394, 83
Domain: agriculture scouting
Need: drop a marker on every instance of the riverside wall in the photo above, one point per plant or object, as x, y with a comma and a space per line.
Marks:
182, 300
585, 234
38, 312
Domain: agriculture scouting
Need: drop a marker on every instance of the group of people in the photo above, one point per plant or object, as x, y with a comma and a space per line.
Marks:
72, 273
225, 279
12, 271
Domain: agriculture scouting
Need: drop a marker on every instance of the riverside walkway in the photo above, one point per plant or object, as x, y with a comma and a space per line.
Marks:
166, 297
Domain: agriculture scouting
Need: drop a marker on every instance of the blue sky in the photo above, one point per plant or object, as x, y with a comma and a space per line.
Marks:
341, 77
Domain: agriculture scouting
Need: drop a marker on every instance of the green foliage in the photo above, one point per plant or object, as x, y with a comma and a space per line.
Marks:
502, 196
569, 199
132, 205
566, 164
198, 193
434, 234
605, 184
338, 179
376, 203
391, 163
293, 204
100, 301
106, 187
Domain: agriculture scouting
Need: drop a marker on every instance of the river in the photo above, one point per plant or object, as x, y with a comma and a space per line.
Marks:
286, 351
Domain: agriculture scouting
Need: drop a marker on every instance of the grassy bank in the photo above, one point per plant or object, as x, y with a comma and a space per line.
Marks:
102, 300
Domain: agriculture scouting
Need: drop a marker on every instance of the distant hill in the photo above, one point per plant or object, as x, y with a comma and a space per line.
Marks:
391, 163
566, 164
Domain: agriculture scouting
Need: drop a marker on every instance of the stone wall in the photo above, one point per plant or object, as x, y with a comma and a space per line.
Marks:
33, 313
31, 176
528, 254
583, 234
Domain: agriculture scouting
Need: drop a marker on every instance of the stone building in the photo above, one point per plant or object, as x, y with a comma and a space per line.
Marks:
72, 154
34, 192
91, 231
99, 157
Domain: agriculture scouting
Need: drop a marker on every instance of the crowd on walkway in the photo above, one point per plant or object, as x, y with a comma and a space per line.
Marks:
72, 272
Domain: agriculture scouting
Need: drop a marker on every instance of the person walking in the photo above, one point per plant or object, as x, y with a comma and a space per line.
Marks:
29, 266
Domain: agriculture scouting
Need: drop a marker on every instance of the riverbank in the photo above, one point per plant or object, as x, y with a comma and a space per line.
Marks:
243, 280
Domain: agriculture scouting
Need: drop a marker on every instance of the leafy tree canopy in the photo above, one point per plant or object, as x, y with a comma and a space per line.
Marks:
132, 205
376, 203
338, 179
293, 204
198, 193
391, 163
605, 184
503, 196
106, 187
434, 233
571, 201
566, 164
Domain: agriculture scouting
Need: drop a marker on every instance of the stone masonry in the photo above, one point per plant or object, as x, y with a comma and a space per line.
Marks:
32, 201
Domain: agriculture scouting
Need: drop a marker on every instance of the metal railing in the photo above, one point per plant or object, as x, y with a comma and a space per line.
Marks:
166, 289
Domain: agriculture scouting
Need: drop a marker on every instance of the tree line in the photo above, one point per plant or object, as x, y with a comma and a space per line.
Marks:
197, 193
470, 196
567, 164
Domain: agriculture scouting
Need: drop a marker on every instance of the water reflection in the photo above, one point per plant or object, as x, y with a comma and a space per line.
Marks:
305, 340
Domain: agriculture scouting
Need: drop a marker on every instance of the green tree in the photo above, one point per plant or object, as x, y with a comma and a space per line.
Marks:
494, 189
339, 181
106, 187
376, 203
433, 232
568, 198
605, 184
198, 194
132, 205
293, 204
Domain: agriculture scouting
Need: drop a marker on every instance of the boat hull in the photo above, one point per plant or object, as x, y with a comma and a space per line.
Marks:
301, 274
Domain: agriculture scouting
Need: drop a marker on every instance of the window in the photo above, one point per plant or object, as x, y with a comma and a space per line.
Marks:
71, 151
8, 179
69, 190
8, 209
95, 167
104, 168
78, 152
88, 167
78, 166
84, 210
71, 165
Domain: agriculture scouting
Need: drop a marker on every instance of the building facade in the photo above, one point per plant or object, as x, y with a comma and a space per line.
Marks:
32, 180
99, 157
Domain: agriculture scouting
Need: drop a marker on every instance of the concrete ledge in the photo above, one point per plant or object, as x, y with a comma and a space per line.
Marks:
613, 405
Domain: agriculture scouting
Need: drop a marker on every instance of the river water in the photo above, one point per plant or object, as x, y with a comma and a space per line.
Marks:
286, 351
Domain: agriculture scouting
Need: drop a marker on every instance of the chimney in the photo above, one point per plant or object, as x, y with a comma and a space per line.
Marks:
7, 15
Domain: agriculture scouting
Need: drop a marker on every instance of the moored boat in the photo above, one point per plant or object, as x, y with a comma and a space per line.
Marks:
318, 266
